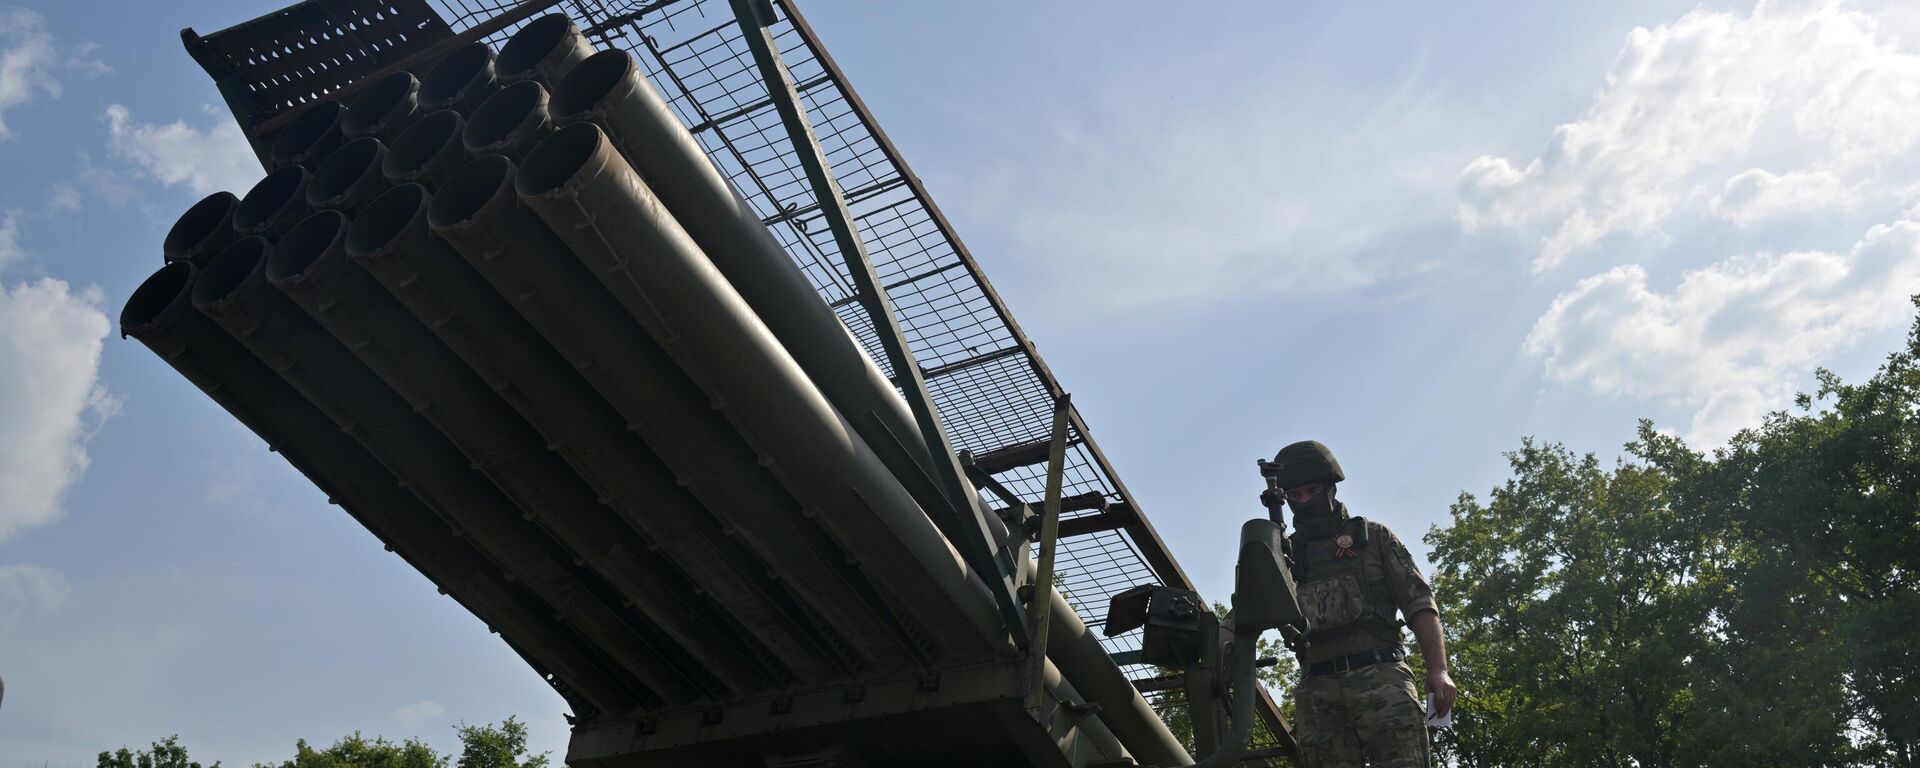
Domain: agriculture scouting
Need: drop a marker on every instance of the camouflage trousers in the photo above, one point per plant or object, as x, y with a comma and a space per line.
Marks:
1369, 716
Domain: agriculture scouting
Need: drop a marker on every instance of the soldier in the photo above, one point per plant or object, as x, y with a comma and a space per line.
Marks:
1356, 704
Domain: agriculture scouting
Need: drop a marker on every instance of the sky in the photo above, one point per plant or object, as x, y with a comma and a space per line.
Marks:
1416, 232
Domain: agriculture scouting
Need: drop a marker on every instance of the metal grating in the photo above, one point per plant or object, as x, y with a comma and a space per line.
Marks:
991, 390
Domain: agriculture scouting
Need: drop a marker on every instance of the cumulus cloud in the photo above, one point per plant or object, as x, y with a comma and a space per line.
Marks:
1731, 340
27, 61
205, 160
9, 238
51, 399
423, 710
30, 62
1787, 110
31, 586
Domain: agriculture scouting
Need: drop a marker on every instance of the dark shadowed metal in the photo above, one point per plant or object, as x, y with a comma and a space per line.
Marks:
160, 314
428, 152
543, 50
202, 231
524, 261
313, 134
384, 108
715, 597
236, 295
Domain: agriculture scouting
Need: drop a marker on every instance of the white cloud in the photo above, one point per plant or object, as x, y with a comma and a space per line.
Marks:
24, 585
26, 61
1731, 340
1788, 110
1283, 181
51, 399
10, 250
205, 160
424, 710
85, 61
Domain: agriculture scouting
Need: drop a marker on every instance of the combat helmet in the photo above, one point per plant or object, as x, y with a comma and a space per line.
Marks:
1305, 462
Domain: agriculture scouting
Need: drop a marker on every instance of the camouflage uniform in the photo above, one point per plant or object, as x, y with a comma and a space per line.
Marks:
1369, 715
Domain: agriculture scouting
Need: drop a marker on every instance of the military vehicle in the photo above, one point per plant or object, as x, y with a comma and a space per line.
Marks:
627, 327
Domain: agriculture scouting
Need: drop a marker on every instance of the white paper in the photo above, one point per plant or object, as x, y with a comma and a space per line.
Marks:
1443, 721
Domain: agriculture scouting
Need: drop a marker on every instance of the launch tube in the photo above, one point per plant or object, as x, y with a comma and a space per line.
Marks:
428, 152
384, 109
543, 50
460, 81
511, 121
273, 205
310, 137
311, 267
391, 242
235, 294
160, 315
349, 178
524, 261
202, 231
609, 90
587, 194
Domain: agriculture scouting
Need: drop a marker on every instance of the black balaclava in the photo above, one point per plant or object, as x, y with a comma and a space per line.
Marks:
1320, 516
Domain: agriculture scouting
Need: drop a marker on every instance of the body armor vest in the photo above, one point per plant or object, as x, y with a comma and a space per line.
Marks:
1344, 592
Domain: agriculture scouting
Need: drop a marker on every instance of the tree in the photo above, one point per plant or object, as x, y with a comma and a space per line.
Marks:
165, 753
357, 751
1756, 606
504, 746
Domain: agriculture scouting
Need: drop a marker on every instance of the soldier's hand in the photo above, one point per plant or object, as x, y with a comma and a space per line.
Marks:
1441, 686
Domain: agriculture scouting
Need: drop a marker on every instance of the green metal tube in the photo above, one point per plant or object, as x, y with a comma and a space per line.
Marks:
515, 252
349, 178
203, 231
385, 109
311, 267
608, 90
160, 315
591, 198
235, 294
544, 51
509, 123
392, 243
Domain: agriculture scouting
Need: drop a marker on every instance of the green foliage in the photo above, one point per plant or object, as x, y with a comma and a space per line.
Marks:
481, 746
505, 746
165, 753
1757, 606
357, 751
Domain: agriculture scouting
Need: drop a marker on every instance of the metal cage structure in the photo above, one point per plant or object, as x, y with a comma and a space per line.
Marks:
991, 388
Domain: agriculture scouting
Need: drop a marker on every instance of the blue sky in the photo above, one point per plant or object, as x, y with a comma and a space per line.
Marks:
1414, 233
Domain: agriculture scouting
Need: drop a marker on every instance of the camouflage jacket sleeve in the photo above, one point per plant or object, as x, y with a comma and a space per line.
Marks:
1411, 593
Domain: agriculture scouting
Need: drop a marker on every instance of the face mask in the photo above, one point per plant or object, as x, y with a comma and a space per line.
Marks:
1315, 512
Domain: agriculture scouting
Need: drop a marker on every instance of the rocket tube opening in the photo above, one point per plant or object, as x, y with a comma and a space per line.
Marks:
309, 135
269, 199
463, 73
312, 238
200, 226
385, 219
164, 290
348, 167
468, 191
228, 271
590, 82
532, 45
511, 116
558, 159
391, 99
423, 142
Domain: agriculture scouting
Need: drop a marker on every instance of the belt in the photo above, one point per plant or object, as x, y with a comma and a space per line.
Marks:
1356, 661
